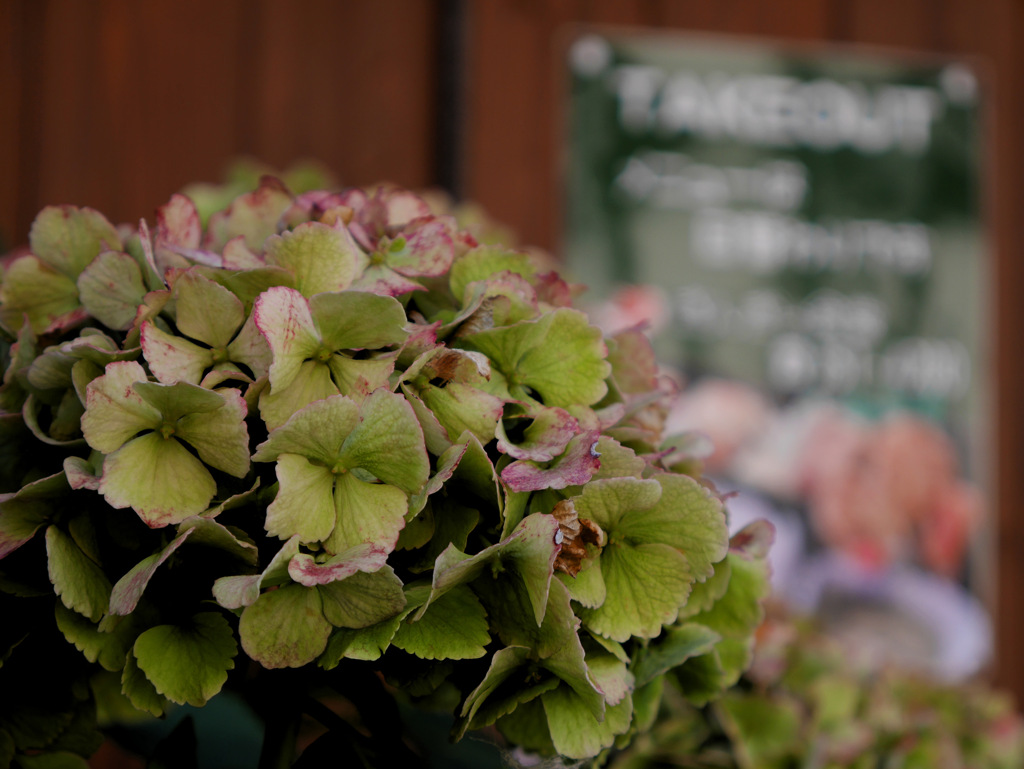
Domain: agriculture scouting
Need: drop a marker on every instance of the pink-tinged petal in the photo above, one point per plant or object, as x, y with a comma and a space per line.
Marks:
80, 474
154, 276
553, 291
754, 540
403, 206
178, 227
190, 256
314, 205
283, 317
378, 279
422, 338
238, 256
254, 215
251, 349
545, 437
177, 223
428, 251
574, 468
129, 589
365, 557
172, 358
370, 221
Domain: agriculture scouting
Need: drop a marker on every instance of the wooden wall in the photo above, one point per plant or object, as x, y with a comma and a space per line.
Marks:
118, 103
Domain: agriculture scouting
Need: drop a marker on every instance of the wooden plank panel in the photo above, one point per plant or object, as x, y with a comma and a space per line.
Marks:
1004, 32
904, 24
13, 55
355, 89
514, 89
793, 19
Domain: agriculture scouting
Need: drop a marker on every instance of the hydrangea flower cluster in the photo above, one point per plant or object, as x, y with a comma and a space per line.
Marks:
331, 426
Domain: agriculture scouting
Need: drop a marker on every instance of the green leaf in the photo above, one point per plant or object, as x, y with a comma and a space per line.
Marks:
285, 627
322, 258
455, 628
188, 664
158, 478
68, 238
363, 599
77, 579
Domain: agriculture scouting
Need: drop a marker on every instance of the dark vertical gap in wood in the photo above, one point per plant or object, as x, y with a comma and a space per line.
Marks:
450, 102
33, 63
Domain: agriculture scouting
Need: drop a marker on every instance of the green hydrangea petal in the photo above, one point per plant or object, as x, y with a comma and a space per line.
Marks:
359, 377
367, 643
304, 504
575, 732
356, 320
283, 317
366, 513
312, 383
388, 442
206, 311
128, 591
173, 358
111, 289
139, 690
114, 411
220, 437
646, 584
322, 258
484, 262
158, 478
33, 289
317, 431
68, 238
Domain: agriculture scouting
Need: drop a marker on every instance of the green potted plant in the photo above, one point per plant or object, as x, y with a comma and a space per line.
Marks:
326, 451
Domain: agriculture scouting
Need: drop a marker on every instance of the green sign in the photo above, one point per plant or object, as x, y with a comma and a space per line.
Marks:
812, 220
